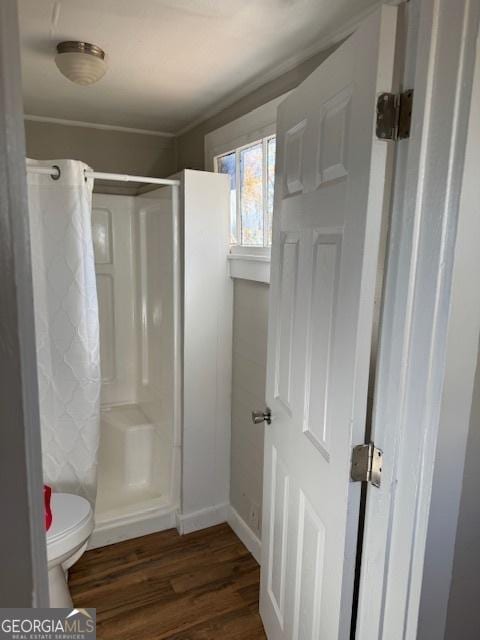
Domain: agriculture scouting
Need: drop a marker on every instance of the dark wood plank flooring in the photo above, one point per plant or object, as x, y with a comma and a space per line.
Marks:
201, 586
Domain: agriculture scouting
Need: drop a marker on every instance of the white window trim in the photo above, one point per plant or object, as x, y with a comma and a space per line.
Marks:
249, 263
242, 248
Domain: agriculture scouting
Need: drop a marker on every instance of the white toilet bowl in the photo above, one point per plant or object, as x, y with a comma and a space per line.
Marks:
67, 538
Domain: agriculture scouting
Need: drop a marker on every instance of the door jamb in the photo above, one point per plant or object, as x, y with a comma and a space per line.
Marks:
23, 578
413, 371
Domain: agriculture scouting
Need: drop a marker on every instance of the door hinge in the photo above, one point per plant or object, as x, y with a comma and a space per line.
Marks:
394, 115
367, 464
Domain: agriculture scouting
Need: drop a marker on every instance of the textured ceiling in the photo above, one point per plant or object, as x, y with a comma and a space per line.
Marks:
169, 61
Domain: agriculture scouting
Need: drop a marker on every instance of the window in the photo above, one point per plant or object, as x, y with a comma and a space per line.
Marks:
252, 171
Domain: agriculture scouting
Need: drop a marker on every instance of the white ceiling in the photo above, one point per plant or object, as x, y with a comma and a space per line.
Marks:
169, 61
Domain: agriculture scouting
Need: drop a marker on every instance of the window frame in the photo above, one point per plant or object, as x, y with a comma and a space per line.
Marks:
249, 263
239, 248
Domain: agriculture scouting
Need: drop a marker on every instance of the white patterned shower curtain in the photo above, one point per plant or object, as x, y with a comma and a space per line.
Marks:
66, 325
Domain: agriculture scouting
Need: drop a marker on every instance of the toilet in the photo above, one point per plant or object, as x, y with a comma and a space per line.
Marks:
67, 539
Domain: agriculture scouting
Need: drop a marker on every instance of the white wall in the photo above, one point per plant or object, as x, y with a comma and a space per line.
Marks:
248, 393
249, 349
463, 616
207, 349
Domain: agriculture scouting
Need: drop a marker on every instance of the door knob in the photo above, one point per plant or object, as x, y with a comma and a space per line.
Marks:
262, 416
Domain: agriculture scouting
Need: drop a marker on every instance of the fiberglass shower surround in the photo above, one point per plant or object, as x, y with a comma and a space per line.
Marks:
133, 240
161, 409
165, 300
66, 320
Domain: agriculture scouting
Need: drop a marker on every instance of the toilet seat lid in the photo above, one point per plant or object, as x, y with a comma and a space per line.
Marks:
69, 512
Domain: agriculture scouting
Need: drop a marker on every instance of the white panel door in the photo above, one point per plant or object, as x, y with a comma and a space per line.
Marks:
330, 194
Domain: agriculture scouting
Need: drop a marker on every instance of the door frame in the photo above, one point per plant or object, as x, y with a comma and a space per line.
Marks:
23, 578
428, 341
444, 34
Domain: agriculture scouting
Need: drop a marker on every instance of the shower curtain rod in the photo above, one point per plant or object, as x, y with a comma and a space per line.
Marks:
55, 172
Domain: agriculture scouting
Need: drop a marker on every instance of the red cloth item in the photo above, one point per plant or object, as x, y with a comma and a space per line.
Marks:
47, 494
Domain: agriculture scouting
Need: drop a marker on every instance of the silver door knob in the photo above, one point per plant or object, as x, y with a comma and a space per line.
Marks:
262, 416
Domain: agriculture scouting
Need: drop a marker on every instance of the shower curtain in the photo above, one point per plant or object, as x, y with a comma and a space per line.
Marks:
66, 325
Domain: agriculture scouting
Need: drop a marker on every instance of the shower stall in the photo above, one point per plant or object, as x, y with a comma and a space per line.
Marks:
165, 346
136, 249
156, 264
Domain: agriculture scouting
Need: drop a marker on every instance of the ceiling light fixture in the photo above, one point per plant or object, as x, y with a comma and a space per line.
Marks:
81, 62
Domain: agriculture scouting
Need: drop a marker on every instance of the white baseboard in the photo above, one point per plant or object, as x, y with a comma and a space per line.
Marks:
246, 535
110, 533
188, 522
119, 530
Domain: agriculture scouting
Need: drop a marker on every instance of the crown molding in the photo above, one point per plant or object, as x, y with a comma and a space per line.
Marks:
284, 67
258, 81
96, 125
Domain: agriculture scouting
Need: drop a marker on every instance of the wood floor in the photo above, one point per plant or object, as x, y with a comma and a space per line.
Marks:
201, 586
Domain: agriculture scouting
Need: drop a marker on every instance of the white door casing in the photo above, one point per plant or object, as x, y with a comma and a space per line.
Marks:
330, 196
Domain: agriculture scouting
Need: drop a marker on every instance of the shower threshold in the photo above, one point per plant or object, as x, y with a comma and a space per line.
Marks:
113, 503
133, 520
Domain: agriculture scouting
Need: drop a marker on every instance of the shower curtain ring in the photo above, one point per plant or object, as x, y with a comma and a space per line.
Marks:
59, 173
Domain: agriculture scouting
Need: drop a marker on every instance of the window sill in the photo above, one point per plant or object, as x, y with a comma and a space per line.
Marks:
250, 266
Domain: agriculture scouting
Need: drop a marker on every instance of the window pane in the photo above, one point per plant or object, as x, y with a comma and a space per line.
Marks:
271, 148
227, 164
251, 195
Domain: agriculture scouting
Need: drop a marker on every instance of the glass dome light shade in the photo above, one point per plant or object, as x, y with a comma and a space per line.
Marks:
81, 62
